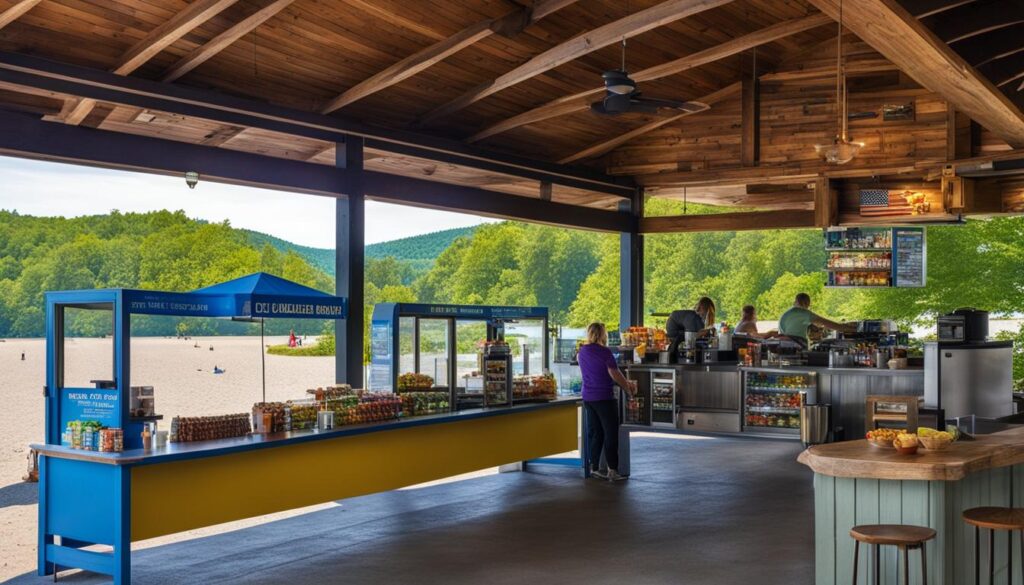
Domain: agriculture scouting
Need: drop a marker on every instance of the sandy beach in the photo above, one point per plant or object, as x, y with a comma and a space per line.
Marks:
182, 375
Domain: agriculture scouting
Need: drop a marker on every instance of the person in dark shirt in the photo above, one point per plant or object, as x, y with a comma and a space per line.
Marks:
600, 374
699, 320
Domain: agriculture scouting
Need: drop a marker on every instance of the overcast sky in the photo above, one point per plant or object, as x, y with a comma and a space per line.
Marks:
52, 189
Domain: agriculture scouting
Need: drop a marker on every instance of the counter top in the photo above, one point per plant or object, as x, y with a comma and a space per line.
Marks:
860, 459
192, 450
713, 367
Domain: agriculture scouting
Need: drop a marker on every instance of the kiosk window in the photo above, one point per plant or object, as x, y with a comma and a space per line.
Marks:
435, 341
88, 345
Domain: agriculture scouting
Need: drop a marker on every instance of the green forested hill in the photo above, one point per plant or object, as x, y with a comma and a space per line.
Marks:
417, 252
160, 250
321, 258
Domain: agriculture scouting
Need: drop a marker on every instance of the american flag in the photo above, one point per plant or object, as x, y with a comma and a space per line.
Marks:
883, 203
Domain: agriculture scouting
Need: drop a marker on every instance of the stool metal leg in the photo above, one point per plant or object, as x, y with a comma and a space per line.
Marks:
977, 556
924, 565
878, 562
856, 559
1009, 557
992, 557
906, 565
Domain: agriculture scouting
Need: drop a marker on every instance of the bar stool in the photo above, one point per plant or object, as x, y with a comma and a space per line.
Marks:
904, 536
992, 518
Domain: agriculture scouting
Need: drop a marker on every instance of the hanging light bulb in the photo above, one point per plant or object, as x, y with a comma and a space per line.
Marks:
840, 150
191, 179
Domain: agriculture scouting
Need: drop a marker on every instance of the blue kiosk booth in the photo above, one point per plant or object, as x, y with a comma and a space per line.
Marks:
93, 505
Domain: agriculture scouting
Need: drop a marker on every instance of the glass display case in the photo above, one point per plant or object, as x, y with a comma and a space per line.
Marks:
875, 257
497, 377
772, 400
448, 343
663, 398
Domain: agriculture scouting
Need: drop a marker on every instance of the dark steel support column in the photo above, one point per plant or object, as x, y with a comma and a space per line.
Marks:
349, 264
631, 266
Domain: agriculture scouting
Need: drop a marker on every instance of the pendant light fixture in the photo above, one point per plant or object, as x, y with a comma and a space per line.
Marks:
841, 150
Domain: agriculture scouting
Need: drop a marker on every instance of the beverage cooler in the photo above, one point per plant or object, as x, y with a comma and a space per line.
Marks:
637, 410
663, 398
772, 400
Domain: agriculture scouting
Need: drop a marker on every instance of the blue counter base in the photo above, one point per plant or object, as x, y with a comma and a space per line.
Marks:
841, 503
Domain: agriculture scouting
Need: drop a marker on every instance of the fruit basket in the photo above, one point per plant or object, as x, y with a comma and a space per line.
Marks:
882, 438
541, 387
303, 415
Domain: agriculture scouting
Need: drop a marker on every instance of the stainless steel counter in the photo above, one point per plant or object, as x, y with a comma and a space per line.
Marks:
709, 397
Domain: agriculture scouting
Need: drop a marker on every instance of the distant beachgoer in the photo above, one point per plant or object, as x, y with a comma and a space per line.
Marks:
217, 370
292, 342
211, 348
22, 356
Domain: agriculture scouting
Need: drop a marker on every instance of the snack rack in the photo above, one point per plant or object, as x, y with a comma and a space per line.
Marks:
772, 400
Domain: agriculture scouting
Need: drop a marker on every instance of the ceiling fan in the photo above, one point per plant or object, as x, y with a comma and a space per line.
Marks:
621, 96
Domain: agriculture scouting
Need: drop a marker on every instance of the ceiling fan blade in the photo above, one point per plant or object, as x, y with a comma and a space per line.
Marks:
642, 107
612, 104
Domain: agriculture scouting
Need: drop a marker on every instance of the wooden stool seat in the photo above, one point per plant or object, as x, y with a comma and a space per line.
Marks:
894, 534
995, 518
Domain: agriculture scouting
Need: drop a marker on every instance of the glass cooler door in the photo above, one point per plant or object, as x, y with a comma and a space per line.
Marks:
772, 400
663, 403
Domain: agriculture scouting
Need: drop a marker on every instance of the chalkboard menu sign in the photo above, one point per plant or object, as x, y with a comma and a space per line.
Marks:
909, 257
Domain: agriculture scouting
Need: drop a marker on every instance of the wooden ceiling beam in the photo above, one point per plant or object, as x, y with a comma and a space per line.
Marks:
588, 42
901, 38
153, 43
719, 222
608, 145
992, 46
580, 101
441, 50
204, 52
775, 175
16, 11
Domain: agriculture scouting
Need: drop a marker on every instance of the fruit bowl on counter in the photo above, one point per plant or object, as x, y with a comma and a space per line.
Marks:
882, 438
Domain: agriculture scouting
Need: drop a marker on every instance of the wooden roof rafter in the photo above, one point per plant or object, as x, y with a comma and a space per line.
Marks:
639, 22
581, 101
152, 44
901, 38
442, 49
16, 11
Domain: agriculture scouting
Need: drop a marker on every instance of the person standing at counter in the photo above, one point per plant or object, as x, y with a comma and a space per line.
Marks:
748, 322
795, 322
600, 373
699, 320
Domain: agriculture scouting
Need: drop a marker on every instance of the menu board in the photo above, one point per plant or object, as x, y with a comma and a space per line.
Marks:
909, 257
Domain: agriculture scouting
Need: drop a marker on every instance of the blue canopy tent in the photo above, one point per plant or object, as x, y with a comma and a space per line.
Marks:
252, 297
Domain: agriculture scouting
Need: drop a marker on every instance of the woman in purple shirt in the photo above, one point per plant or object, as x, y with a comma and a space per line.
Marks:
600, 374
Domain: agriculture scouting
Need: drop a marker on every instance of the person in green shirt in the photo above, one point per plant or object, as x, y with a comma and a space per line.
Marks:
795, 322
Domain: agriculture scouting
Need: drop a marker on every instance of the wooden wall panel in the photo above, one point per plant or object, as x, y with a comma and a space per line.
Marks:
849, 201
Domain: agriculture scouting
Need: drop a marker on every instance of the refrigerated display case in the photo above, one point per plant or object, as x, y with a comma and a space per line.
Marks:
663, 398
772, 400
497, 372
636, 409
446, 343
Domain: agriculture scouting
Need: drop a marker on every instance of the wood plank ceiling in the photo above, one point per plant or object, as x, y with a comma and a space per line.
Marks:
509, 75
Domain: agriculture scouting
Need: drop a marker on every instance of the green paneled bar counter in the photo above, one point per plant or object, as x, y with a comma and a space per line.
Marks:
856, 483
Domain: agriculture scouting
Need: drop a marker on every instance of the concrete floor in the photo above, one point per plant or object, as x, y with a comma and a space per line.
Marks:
695, 512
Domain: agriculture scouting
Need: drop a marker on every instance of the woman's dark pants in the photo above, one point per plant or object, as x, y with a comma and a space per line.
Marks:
603, 431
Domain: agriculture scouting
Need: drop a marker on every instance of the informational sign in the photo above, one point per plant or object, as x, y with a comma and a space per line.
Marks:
909, 257
241, 305
471, 311
381, 355
90, 404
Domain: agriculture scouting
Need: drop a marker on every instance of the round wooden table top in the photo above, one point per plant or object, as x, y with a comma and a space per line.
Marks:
996, 518
897, 534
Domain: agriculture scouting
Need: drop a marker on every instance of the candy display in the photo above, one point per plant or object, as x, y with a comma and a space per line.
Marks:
423, 403
496, 380
269, 417
774, 400
411, 381
662, 397
303, 415
335, 391
496, 347
651, 338
541, 387
365, 407
208, 428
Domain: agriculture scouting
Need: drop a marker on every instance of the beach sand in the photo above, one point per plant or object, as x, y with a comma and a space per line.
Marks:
184, 383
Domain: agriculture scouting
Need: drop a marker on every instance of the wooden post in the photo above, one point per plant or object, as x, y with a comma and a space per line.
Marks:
349, 263
826, 203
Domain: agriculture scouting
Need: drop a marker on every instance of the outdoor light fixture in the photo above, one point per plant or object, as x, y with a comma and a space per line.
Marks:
191, 179
841, 150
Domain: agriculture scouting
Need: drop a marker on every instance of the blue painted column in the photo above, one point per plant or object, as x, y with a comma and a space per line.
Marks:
631, 266
349, 263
